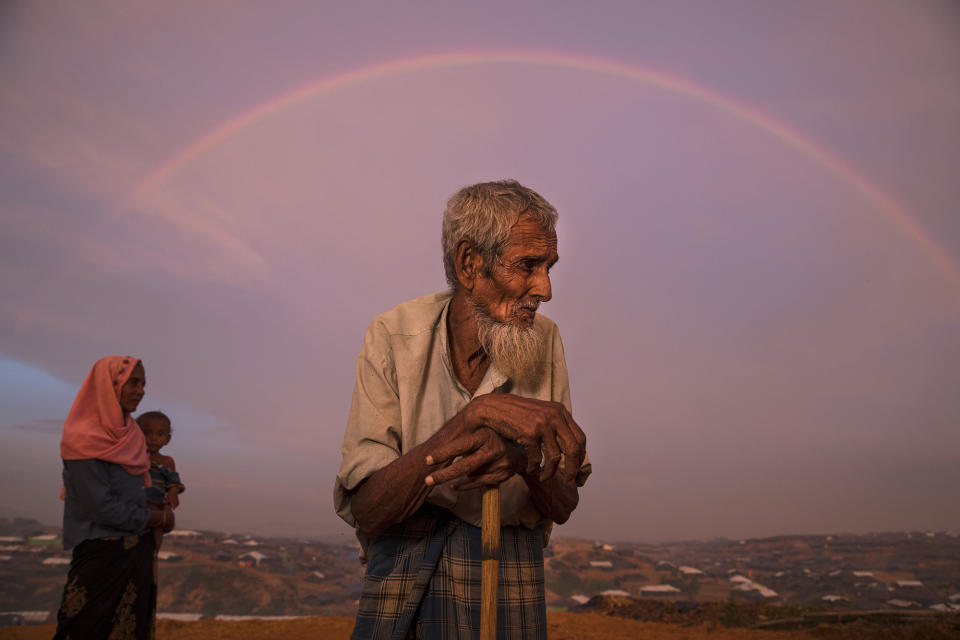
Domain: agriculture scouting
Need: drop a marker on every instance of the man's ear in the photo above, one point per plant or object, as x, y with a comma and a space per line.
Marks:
468, 263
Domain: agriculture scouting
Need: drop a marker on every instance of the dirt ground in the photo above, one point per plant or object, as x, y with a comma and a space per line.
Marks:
561, 626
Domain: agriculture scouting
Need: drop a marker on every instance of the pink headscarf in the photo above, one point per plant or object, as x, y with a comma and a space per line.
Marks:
95, 426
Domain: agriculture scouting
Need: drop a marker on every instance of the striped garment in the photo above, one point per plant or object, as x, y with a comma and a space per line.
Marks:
423, 581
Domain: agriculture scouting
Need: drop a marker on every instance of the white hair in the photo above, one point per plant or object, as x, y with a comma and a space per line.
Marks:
484, 213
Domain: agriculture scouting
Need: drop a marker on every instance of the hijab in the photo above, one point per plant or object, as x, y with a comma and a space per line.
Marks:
96, 427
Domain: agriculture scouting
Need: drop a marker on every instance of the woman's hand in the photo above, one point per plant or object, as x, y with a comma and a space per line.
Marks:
161, 518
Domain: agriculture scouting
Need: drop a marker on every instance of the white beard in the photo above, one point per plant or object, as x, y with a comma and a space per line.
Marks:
516, 352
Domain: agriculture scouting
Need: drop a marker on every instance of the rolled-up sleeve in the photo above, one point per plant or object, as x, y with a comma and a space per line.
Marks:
372, 439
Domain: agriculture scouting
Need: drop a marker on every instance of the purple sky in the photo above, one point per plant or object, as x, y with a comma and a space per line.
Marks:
756, 346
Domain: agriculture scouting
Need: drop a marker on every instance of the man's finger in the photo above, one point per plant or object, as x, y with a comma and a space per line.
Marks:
532, 453
462, 467
572, 444
566, 441
551, 457
491, 478
456, 447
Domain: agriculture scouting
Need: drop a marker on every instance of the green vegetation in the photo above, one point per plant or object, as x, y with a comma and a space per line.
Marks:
689, 586
566, 583
217, 590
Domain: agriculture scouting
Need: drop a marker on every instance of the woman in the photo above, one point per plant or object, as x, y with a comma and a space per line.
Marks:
111, 588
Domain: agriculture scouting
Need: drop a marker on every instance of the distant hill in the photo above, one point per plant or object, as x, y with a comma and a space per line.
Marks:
208, 573
24, 527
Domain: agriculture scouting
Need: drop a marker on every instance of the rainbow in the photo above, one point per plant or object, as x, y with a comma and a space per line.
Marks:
668, 82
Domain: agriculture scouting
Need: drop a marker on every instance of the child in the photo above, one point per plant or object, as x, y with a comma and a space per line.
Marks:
166, 483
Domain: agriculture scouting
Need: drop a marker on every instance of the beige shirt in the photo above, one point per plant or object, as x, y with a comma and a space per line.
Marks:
406, 391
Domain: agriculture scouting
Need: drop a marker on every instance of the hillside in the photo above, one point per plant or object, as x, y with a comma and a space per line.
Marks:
205, 574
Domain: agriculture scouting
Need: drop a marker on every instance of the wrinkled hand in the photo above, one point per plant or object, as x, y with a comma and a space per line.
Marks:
544, 430
487, 460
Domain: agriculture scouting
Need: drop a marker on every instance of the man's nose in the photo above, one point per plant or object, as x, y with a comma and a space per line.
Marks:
542, 288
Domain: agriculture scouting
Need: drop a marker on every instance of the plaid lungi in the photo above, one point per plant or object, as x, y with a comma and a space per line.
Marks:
423, 581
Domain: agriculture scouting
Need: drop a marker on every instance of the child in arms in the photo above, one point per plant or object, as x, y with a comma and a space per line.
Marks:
166, 483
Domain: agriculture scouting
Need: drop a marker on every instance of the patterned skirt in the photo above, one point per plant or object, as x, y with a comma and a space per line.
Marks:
111, 590
423, 581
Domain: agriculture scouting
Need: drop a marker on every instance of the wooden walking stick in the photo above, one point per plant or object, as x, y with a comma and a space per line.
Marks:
490, 561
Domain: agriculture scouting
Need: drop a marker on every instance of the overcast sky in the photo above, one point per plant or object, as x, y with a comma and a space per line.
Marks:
758, 288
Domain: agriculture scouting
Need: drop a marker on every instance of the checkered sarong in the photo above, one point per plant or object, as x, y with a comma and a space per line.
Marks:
423, 581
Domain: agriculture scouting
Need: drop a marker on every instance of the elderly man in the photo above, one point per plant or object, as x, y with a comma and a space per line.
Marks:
457, 391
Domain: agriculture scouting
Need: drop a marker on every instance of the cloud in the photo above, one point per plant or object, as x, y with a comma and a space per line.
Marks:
733, 313
48, 426
194, 241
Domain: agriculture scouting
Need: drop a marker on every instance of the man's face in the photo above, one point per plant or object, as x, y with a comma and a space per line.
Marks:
520, 280
131, 393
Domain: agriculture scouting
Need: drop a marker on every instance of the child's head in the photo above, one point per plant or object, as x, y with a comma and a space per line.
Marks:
156, 430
